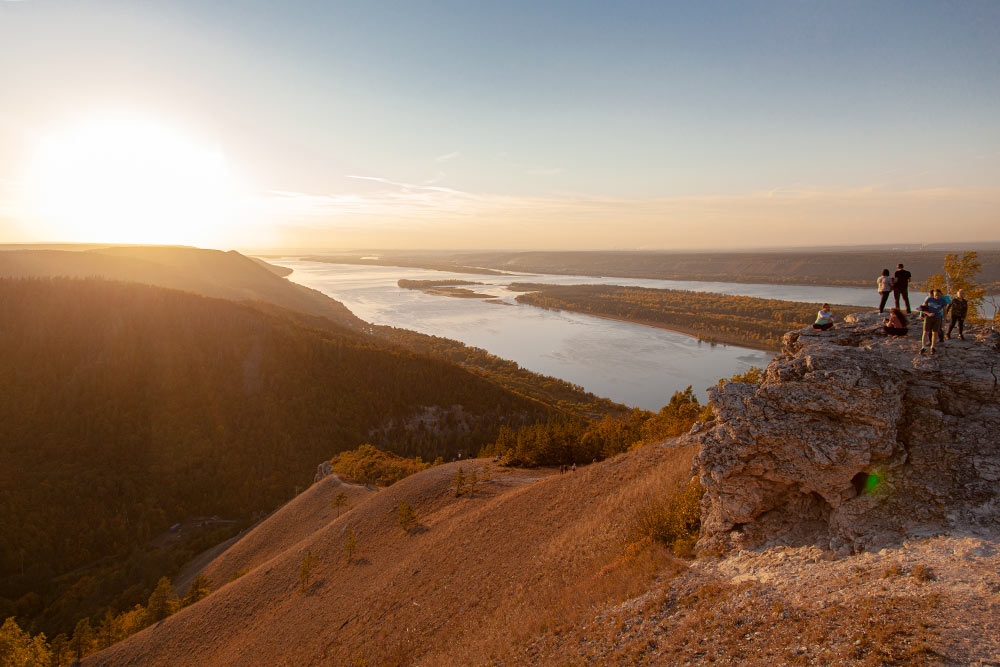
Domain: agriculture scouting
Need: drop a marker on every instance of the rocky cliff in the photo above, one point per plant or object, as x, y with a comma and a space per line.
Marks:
854, 440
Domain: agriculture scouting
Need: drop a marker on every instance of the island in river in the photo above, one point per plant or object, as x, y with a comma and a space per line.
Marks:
718, 318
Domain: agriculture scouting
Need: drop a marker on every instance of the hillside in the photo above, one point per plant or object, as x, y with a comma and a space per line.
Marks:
799, 561
126, 408
457, 588
230, 275
226, 275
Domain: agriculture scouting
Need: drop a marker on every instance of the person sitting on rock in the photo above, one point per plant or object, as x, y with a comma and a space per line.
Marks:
896, 325
932, 311
824, 318
959, 309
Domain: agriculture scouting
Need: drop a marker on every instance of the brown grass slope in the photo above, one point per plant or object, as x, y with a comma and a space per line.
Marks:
293, 522
479, 574
225, 275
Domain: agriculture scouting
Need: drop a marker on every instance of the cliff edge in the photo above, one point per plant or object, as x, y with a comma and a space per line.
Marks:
853, 441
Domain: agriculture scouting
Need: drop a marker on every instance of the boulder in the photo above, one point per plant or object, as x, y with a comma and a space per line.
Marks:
854, 440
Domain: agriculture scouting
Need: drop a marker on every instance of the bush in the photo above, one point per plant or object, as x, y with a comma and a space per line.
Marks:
674, 523
369, 465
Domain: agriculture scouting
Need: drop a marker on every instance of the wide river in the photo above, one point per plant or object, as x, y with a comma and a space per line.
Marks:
632, 364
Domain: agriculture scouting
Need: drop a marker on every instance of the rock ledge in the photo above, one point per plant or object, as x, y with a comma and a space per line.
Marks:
853, 440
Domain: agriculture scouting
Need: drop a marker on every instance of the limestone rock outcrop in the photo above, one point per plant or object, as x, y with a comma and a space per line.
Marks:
323, 470
854, 440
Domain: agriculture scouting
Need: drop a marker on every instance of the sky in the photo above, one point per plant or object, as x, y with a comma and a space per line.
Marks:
499, 125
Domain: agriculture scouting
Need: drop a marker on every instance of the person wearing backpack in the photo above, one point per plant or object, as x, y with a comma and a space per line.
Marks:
884, 286
959, 309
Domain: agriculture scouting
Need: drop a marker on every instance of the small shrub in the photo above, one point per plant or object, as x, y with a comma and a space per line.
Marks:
351, 545
459, 482
407, 518
893, 570
340, 500
305, 570
238, 573
923, 573
674, 523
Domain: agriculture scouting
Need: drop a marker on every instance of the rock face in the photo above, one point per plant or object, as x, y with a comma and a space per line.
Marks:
323, 470
854, 440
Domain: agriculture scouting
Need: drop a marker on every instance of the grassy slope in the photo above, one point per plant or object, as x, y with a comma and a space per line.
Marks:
481, 572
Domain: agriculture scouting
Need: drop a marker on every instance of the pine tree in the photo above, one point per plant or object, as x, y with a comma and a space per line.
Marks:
82, 643
305, 570
407, 518
199, 589
106, 631
487, 475
459, 483
351, 545
162, 602
340, 500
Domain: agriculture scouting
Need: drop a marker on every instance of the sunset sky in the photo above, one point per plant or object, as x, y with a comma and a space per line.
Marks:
508, 124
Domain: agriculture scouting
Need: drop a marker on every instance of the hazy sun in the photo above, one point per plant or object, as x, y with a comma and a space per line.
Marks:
118, 178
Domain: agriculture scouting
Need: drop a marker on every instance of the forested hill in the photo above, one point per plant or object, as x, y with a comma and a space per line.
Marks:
125, 408
227, 275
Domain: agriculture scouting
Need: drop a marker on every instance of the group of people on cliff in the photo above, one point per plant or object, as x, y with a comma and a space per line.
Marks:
932, 311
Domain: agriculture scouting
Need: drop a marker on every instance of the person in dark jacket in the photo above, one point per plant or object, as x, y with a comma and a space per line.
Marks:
959, 309
896, 325
901, 286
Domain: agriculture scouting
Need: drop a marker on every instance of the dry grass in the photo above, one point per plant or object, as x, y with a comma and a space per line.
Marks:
532, 552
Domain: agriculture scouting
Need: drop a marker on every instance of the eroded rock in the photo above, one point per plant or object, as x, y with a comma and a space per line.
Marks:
854, 439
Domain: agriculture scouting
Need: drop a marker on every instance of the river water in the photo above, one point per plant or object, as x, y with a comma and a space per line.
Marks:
629, 363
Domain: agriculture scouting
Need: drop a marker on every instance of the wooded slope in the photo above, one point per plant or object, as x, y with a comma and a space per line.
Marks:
125, 408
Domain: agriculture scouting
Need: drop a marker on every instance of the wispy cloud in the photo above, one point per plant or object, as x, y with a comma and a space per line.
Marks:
447, 157
430, 216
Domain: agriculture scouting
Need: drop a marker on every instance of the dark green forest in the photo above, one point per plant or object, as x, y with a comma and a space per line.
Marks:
721, 318
125, 408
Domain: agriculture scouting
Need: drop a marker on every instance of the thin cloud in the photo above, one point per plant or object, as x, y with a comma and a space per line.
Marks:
447, 156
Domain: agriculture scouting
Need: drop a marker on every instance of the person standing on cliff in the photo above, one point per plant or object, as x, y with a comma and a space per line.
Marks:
901, 286
959, 309
884, 284
932, 310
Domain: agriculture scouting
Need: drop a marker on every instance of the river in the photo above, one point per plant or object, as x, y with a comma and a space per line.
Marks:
632, 364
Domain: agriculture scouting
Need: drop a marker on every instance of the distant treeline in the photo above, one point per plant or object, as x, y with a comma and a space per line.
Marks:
722, 318
847, 268
451, 267
125, 408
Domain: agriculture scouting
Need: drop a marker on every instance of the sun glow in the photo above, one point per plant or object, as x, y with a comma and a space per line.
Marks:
123, 179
